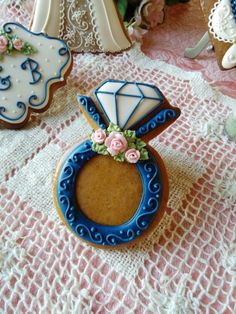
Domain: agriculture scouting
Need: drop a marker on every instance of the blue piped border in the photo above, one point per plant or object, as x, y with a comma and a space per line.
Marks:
19, 105
102, 234
62, 51
159, 119
91, 110
5, 83
159, 98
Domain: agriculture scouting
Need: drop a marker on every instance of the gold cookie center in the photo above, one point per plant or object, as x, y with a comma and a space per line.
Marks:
108, 192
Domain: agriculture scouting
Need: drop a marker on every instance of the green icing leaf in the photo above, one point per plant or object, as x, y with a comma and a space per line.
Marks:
100, 149
144, 154
130, 139
10, 45
131, 145
27, 49
140, 144
120, 157
95, 147
130, 135
113, 128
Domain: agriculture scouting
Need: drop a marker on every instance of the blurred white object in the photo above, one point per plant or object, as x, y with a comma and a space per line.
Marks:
200, 46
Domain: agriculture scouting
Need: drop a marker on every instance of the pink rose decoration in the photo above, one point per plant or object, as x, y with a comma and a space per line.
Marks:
18, 44
116, 143
136, 33
154, 13
132, 155
98, 136
3, 44
151, 13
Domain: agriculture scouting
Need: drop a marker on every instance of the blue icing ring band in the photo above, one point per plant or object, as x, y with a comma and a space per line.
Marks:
155, 193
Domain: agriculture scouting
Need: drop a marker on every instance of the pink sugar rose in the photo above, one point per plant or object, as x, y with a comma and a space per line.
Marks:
132, 155
18, 44
154, 13
3, 44
150, 13
136, 33
116, 143
98, 136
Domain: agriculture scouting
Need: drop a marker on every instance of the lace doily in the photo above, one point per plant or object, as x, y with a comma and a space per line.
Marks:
186, 266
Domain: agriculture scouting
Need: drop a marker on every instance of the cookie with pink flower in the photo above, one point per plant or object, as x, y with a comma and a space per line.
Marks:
112, 189
10, 43
32, 67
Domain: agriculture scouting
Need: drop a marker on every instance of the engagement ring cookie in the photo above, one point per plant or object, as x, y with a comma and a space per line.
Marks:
112, 188
32, 66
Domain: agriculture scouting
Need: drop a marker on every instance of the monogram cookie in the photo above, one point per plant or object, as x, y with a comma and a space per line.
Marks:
31, 67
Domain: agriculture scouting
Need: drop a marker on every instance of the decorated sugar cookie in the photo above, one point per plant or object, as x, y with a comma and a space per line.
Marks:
86, 25
31, 66
221, 18
112, 188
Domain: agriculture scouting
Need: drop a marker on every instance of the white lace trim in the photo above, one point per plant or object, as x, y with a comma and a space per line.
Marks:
75, 300
210, 129
62, 18
80, 29
94, 25
170, 300
224, 22
229, 258
11, 255
5, 3
227, 188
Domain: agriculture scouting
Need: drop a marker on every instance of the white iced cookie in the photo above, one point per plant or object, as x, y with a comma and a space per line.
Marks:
222, 24
86, 25
29, 65
229, 59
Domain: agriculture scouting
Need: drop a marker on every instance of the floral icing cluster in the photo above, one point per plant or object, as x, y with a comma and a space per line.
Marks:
148, 15
121, 145
10, 43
